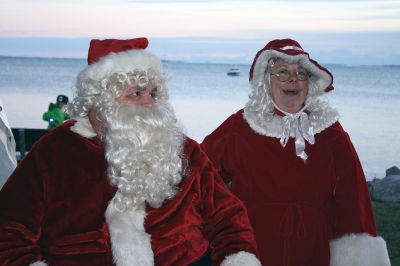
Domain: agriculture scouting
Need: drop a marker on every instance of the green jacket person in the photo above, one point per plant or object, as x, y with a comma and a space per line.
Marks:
55, 115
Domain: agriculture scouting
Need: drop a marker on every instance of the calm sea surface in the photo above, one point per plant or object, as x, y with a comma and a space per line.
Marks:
367, 97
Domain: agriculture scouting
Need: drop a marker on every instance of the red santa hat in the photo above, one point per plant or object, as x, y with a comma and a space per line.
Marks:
101, 48
106, 57
292, 52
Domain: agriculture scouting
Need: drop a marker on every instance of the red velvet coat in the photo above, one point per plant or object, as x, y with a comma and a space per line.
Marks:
296, 208
52, 209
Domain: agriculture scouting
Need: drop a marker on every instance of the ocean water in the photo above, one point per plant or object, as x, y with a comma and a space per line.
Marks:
367, 98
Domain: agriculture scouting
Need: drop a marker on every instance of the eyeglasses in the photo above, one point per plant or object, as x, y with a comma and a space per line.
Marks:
284, 75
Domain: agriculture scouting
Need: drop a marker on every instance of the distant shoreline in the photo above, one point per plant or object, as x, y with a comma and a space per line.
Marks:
180, 61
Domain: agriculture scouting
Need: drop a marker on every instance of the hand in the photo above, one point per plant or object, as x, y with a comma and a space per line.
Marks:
52, 122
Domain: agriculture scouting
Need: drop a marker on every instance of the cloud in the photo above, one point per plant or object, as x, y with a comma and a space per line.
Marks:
191, 18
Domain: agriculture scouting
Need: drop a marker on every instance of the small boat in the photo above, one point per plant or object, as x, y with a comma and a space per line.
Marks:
233, 71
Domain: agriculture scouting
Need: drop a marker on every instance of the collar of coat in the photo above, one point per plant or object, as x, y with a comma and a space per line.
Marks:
320, 114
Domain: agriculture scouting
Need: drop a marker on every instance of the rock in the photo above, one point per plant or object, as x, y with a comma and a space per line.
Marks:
394, 170
386, 189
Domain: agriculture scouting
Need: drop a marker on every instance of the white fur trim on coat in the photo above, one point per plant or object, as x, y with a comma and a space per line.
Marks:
83, 127
241, 258
39, 263
321, 116
131, 245
359, 250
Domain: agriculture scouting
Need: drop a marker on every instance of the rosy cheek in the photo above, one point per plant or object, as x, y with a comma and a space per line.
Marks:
127, 99
148, 102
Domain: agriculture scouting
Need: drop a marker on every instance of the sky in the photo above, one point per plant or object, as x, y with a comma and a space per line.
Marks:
352, 32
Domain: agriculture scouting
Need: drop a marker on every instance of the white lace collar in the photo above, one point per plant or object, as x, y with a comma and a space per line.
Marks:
320, 114
303, 125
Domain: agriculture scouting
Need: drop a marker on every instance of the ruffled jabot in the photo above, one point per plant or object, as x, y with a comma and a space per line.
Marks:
302, 126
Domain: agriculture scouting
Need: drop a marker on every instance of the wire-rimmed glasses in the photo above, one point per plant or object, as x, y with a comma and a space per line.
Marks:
284, 75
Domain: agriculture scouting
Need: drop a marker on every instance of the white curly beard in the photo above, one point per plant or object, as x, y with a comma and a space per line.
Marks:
144, 153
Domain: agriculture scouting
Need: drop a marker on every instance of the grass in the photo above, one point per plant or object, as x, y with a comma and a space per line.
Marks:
387, 218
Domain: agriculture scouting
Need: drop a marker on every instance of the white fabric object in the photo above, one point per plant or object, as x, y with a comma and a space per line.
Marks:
8, 159
240, 259
83, 127
131, 245
39, 263
359, 250
302, 128
321, 116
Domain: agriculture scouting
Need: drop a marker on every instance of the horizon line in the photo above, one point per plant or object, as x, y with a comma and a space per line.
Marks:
190, 62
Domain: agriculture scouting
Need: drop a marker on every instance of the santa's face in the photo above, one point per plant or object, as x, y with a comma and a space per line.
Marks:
145, 96
289, 95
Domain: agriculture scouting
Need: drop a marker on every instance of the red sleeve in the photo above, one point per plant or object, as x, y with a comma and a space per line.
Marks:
21, 214
226, 222
352, 205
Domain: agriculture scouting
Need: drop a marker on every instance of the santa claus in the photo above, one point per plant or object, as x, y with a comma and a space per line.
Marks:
120, 183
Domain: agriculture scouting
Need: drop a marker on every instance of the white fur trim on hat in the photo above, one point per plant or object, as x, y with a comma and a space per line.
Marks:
38, 263
241, 258
359, 250
125, 62
131, 245
321, 77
